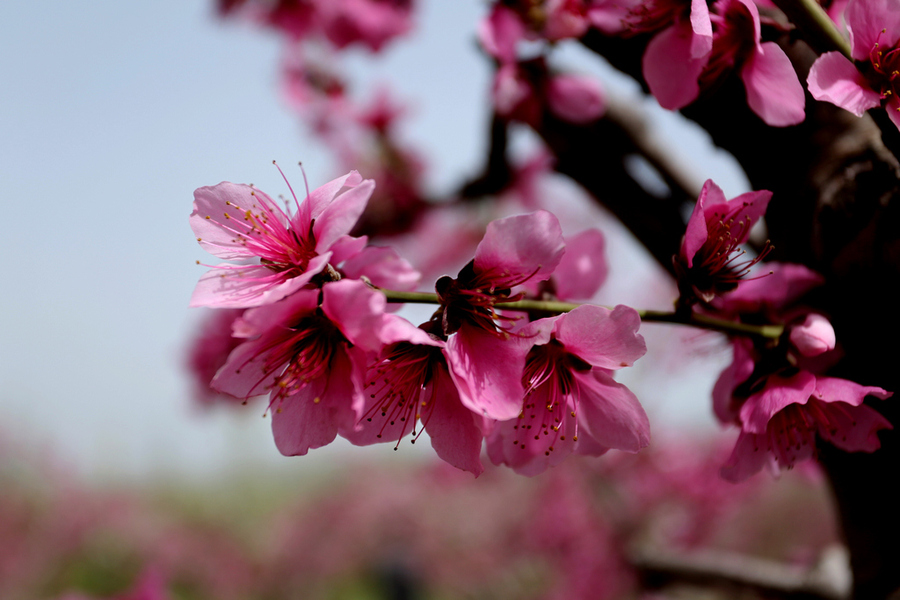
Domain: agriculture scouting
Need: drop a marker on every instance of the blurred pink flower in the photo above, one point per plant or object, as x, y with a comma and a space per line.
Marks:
371, 23
209, 350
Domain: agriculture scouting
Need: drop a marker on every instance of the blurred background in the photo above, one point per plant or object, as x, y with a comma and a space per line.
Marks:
111, 114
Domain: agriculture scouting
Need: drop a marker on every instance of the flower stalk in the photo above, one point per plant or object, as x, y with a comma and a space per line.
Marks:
770, 331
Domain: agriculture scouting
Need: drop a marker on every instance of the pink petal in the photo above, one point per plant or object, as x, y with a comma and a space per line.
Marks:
773, 90
357, 310
602, 337
893, 111
311, 418
582, 269
521, 247
669, 67
245, 286
866, 19
512, 444
697, 231
734, 375
383, 267
215, 230
339, 217
347, 247
244, 374
319, 199
835, 79
610, 412
814, 336
787, 283
777, 394
854, 428
834, 389
702, 41
488, 372
751, 453
451, 426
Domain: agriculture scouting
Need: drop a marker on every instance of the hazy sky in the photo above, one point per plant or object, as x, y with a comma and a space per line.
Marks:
111, 114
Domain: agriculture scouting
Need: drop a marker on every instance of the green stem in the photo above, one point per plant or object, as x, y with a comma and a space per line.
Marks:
820, 30
649, 316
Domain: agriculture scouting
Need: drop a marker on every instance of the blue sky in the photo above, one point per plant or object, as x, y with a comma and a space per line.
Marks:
111, 114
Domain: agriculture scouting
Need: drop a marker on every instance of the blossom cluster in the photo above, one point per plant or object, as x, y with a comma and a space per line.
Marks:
313, 332
776, 391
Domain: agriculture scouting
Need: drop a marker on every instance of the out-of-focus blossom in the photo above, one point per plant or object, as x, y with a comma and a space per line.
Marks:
572, 403
874, 27
575, 98
371, 23
209, 350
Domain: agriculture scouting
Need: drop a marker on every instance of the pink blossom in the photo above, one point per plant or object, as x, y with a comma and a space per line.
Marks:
675, 57
485, 359
209, 351
371, 23
874, 27
410, 383
575, 98
500, 32
773, 91
780, 423
690, 56
563, 19
285, 252
778, 393
572, 403
310, 359
709, 262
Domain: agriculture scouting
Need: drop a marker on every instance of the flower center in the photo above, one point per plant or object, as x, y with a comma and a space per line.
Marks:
260, 228
303, 352
885, 68
550, 395
396, 385
719, 265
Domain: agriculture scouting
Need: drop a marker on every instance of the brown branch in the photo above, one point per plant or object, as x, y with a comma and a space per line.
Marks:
829, 580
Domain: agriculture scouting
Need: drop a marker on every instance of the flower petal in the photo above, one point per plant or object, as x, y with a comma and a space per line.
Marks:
610, 412
778, 393
451, 426
517, 247
582, 269
488, 372
773, 90
835, 79
669, 67
602, 337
